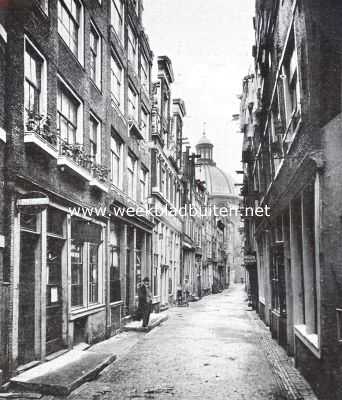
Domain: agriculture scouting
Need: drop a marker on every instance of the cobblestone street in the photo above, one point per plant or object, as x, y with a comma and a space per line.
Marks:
215, 349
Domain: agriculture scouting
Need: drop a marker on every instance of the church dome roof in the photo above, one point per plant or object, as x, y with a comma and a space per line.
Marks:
218, 182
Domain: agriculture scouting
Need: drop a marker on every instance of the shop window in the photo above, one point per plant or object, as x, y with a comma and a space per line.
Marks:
138, 258
28, 221
170, 281
85, 262
93, 274
155, 275
114, 266
76, 274
55, 220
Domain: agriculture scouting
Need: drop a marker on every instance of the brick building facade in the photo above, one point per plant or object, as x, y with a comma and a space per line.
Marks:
76, 116
291, 120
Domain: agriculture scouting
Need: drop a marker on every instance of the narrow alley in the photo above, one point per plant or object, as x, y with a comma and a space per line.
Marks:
215, 349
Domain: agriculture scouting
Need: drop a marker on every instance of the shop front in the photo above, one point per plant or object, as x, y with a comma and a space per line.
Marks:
59, 273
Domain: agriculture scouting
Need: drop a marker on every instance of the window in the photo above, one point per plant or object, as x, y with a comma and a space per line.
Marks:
132, 104
115, 148
132, 48
86, 260
145, 123
95, 139
116, 82
66, 115
33, 80
95, 56
136, 6
143, 184
138, 266
155, 276
114, 263
291, 87
170, 281
76, 274
131, 165
145, 73
117, 17
44, 5
69, 24
162, 180
93, 273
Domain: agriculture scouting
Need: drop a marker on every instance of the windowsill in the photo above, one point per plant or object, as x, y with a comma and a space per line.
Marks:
311, 341
116, 303
70, 51
120, 113
117, 190
134, 70
2, 135
83, 311
43, 13
298, 127
119, 40
96, 86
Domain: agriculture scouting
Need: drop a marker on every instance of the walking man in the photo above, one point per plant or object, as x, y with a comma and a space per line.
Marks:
145, 301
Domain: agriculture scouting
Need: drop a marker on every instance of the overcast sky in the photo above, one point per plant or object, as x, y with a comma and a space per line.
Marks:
210, 46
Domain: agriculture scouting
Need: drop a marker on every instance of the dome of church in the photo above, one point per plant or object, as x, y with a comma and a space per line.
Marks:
218, 182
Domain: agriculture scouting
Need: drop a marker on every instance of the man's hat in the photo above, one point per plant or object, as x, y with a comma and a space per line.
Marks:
146, 279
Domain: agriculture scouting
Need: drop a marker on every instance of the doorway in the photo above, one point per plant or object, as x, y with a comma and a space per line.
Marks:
29, 243
54, 296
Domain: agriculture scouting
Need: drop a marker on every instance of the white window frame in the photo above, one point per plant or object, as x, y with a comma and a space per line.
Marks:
98, 154
143, 182
132, 195
145, 73
98, 60
144, 124
80, 36
3, 33
44, 6
85, 271
43, 72
119, 144
80, 122
132, 103
117, 99
120, 12
132, 47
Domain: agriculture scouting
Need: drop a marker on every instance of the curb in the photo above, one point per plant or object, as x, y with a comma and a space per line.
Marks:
292, 383
149, 328
58, 390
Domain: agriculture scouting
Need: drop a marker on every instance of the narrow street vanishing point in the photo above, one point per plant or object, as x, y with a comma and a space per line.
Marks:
214, 349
